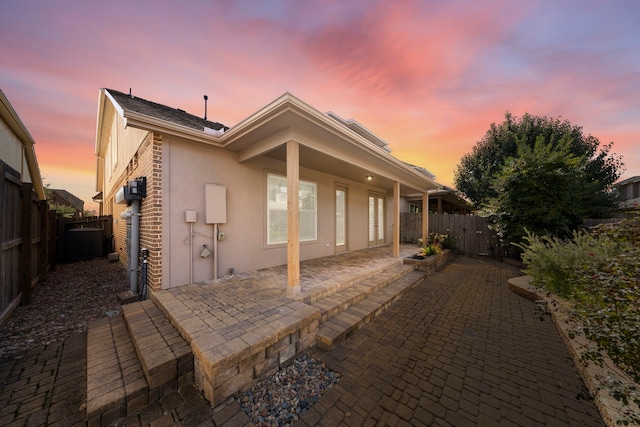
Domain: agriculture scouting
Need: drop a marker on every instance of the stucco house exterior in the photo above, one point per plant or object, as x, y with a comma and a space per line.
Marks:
17, 147
286, 184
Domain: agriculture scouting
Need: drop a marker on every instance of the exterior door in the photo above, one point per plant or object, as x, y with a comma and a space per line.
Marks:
341, 218
376, 220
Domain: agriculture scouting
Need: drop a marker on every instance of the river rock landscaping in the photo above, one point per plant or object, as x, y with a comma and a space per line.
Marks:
283, 397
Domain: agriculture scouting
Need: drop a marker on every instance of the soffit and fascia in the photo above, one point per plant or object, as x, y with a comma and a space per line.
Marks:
288, 118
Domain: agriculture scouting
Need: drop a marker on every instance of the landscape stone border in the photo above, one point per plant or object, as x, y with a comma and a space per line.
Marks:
592, 374
432, 263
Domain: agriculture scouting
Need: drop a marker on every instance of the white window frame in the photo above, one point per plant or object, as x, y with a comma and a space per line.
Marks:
277, 202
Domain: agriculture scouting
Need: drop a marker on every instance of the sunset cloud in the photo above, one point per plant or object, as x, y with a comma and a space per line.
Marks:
427, 76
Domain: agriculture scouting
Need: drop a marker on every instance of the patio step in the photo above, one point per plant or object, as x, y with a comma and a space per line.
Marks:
115, 381
340, 282
165, 357
339, 327
261, 332
340, 301
133, 359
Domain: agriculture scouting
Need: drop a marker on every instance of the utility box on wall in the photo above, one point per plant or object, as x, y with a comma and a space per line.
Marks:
215, 199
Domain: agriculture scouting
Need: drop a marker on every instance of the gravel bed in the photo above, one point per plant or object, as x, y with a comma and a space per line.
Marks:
61, 306
280, 399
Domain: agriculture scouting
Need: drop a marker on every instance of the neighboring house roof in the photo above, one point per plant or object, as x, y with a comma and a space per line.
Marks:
448, 195
452, 196
63, 197
628, 181
11, 118
265, 133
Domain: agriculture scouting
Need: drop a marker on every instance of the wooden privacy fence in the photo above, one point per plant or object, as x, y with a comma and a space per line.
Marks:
34, 238
468, 234
27, 247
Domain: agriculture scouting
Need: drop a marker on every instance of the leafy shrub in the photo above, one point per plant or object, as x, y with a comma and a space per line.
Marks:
435, 243
448, 242
608, 304
599, 273
430, 250
555, 263
438, 239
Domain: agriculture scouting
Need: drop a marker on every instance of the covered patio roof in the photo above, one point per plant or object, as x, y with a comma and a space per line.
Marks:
327, 144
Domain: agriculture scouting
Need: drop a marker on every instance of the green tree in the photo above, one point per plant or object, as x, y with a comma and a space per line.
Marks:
539, 173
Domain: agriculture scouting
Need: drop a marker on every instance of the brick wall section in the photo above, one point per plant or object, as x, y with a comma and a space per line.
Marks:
146, 162
150, 165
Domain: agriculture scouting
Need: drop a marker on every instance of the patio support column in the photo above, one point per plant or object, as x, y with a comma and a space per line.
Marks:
396, 219
293, 218
425, 217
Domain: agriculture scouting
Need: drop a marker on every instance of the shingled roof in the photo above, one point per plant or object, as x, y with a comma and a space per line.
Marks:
163, 112
63, 197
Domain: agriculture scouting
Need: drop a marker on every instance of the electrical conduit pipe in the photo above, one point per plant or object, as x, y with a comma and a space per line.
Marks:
135, 245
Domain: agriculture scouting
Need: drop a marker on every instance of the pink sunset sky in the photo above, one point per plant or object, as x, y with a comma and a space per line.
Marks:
429, 77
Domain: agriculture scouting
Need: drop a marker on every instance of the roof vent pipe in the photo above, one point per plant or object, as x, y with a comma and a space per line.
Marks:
205, 106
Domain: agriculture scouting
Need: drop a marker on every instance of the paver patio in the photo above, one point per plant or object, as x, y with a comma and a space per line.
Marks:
460, 349
243, 327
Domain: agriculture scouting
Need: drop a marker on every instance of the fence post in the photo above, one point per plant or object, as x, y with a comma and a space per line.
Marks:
25, 250
42, 245
51, 238
425, 218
